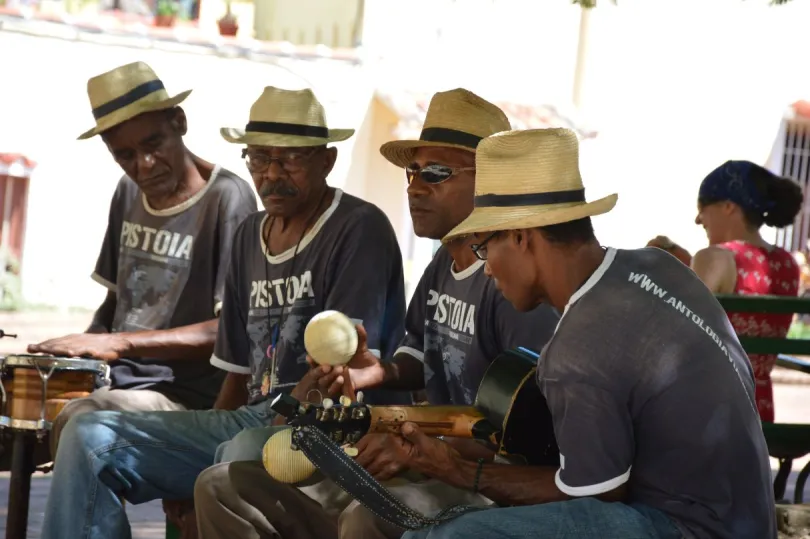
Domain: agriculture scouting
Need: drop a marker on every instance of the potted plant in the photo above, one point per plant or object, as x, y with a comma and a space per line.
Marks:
166, 13
228, 25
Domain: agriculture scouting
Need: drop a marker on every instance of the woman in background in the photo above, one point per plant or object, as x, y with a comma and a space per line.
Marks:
734, 201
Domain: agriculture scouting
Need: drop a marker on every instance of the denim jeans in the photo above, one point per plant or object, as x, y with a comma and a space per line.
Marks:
247, 445
139, 456
582, 518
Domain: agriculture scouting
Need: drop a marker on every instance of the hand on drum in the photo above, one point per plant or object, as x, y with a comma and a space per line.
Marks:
102, 346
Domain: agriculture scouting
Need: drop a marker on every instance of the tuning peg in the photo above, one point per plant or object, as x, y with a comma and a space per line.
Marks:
360, 397
327, 403
345, 401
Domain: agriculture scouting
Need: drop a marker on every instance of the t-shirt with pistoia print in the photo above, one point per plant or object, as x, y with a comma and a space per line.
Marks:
349, 261
649, 387
167, 269
458, 322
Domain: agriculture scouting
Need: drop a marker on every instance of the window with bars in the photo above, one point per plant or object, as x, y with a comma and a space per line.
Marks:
795, 164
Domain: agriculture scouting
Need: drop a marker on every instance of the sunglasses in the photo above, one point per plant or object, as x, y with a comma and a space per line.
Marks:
433, 174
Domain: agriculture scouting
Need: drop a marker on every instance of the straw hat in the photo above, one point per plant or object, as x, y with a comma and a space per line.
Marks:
125, 92
286, 118
455, 119
526, 179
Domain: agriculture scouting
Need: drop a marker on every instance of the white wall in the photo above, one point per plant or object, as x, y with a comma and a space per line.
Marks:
44, 107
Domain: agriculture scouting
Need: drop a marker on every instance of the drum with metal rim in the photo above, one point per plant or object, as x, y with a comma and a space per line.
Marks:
34, 388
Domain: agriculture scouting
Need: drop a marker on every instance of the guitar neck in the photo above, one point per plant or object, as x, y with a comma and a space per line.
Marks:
456, 421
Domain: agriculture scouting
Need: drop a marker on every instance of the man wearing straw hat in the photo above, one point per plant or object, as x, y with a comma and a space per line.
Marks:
457, 323
315, 248
164, 256
642, 352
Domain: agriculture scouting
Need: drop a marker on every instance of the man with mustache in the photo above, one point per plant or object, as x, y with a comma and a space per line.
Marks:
164, 256
457, 323
314, 248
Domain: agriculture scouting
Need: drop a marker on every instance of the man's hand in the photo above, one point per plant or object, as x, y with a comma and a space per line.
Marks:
103, 346
381, 455
430, 456
316, 379
363, 370
666, 244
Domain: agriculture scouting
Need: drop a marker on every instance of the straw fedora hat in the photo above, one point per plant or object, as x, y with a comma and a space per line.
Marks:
526, 179
455, 119
125, 92
286, 118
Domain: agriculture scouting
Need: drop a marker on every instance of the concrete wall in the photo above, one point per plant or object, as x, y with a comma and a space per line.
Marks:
44, 107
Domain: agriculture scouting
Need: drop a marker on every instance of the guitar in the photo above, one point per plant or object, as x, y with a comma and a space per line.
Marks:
510, 414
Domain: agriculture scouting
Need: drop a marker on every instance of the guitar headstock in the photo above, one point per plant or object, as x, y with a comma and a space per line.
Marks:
345, 422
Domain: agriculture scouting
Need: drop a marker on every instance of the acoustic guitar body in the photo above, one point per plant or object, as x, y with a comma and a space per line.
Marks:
511, 400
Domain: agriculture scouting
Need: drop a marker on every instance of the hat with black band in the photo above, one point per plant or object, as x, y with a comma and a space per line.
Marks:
286, 119
527, 179
125, 92
454, 119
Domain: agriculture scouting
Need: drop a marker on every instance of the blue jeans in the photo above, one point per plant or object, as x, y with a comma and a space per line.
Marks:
581, 518
105, 456
247, 445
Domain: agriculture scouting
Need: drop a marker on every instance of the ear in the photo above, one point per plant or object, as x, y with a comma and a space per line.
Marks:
329, 158
179, 122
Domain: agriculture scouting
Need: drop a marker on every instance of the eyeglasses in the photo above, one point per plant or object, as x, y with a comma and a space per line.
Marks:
433, 174
480, 249
258, 162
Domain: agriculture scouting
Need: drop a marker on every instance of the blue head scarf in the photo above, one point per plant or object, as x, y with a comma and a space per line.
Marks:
734, 181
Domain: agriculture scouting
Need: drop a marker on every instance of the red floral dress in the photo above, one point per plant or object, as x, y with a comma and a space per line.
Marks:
762, 271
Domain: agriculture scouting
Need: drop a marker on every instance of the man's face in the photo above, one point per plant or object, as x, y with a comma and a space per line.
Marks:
511, 265
288, 179
149, 148
441, 191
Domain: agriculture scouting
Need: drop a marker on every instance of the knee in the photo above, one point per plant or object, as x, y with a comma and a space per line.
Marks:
357, 521
85, 432
247, 445
207, 484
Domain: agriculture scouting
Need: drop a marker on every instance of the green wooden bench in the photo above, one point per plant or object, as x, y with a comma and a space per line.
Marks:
786, 442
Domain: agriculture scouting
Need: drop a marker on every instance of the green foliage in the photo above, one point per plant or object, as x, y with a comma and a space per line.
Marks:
167, 7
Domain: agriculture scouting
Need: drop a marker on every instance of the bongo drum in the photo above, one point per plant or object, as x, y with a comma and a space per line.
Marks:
36, 388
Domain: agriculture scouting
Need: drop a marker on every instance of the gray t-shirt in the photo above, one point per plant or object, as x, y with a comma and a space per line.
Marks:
349, 261
458, 323
648, 385
167, 268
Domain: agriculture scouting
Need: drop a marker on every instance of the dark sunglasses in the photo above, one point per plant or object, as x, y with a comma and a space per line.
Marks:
433, 174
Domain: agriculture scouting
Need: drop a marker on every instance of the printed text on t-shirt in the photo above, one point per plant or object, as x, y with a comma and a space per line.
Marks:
456, 314
647, 284
276, 293
162, 243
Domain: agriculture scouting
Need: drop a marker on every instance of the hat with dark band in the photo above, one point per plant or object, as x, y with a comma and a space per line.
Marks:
125, 92
286, 118
455, 119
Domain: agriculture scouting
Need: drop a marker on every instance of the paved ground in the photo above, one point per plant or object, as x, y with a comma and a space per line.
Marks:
147, 520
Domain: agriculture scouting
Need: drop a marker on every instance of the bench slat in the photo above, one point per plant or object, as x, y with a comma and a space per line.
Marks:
764, 304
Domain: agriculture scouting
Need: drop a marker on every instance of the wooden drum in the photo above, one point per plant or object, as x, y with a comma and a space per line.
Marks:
38, 387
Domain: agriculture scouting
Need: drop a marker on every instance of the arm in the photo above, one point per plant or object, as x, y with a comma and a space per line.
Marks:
518, 485
232, 345
716, 268
193, 342
103, 318
597, 445
233, 393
